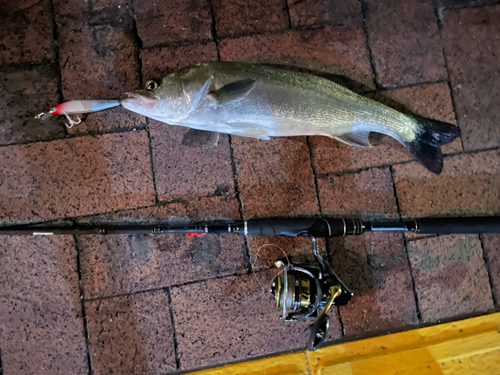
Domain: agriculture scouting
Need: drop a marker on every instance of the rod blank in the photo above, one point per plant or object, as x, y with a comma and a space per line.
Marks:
332, 227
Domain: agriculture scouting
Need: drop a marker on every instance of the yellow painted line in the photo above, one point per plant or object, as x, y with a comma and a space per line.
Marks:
466, 347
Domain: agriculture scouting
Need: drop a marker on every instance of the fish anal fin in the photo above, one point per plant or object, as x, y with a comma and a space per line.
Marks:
233, 92
357, 139
200, 138
246, 129
257, 133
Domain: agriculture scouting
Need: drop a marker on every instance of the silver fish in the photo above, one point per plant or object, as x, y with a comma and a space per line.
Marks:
261, 101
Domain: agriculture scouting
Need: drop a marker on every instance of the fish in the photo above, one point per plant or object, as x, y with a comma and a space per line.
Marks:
263, 102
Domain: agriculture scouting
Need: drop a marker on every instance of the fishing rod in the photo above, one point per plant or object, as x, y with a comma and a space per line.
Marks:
316, 227
302, 291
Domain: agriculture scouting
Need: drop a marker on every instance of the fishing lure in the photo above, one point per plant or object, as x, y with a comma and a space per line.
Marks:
78, 106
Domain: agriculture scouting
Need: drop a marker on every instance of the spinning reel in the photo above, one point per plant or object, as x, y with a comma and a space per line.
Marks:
308, 291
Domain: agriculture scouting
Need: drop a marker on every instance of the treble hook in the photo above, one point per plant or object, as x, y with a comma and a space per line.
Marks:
70, 123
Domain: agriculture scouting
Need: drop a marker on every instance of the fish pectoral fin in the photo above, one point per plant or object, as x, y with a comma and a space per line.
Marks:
233, 92
198, 98
358, 139
200, 138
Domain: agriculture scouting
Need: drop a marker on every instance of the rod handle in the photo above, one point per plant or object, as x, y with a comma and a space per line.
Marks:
305, 227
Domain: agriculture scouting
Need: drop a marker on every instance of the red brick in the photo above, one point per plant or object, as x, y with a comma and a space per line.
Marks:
375, 268
224, 207
463, 3
235, 17
405, 42
109, 5
114, 265
120, 264
275, 177
468, 185
131, 334
221, 207
108, 121
183, 172
172, 21
368, 194
158, 62
40, 310
450, 277
332, 156
332, 49
429, 100
72, 177
98, 62
314, 12
26, 32
235, 318
266, 250
491, 244
110, 11
32, 90
471, 39
174, 213
77, 11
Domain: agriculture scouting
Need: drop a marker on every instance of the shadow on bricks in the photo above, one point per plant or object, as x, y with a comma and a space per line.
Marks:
375, 267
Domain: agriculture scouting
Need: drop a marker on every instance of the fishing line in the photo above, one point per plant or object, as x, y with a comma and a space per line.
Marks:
263, 287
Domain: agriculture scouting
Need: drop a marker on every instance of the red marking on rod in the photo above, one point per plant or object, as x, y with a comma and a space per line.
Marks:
191, 235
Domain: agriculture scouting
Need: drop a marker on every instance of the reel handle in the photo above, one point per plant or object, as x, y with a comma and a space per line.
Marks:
319, 332
319, 329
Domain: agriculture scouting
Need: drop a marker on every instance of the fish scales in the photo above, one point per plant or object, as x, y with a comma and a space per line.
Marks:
305, 105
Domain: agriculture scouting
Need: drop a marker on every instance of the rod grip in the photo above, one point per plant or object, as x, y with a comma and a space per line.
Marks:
304, 227
459, 225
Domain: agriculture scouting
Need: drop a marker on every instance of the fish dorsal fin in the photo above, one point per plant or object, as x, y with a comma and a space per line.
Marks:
233, 92
200, 138
358, 139
338, 79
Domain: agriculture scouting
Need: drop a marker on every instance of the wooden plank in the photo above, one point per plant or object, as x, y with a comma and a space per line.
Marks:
466, 347
287, 364
469, 346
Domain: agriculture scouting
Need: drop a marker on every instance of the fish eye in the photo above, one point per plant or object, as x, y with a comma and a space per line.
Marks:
151, 85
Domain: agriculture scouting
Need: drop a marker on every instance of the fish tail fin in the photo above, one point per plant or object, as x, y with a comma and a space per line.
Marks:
430, 136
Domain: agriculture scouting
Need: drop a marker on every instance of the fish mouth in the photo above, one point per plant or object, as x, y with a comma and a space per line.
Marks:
136, 99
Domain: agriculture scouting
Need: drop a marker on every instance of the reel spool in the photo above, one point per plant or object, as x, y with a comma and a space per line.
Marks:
307, 291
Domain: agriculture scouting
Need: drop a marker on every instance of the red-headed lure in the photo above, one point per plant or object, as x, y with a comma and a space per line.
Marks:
79, 106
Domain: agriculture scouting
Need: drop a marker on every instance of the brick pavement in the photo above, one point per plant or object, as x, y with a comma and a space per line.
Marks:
155, 305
